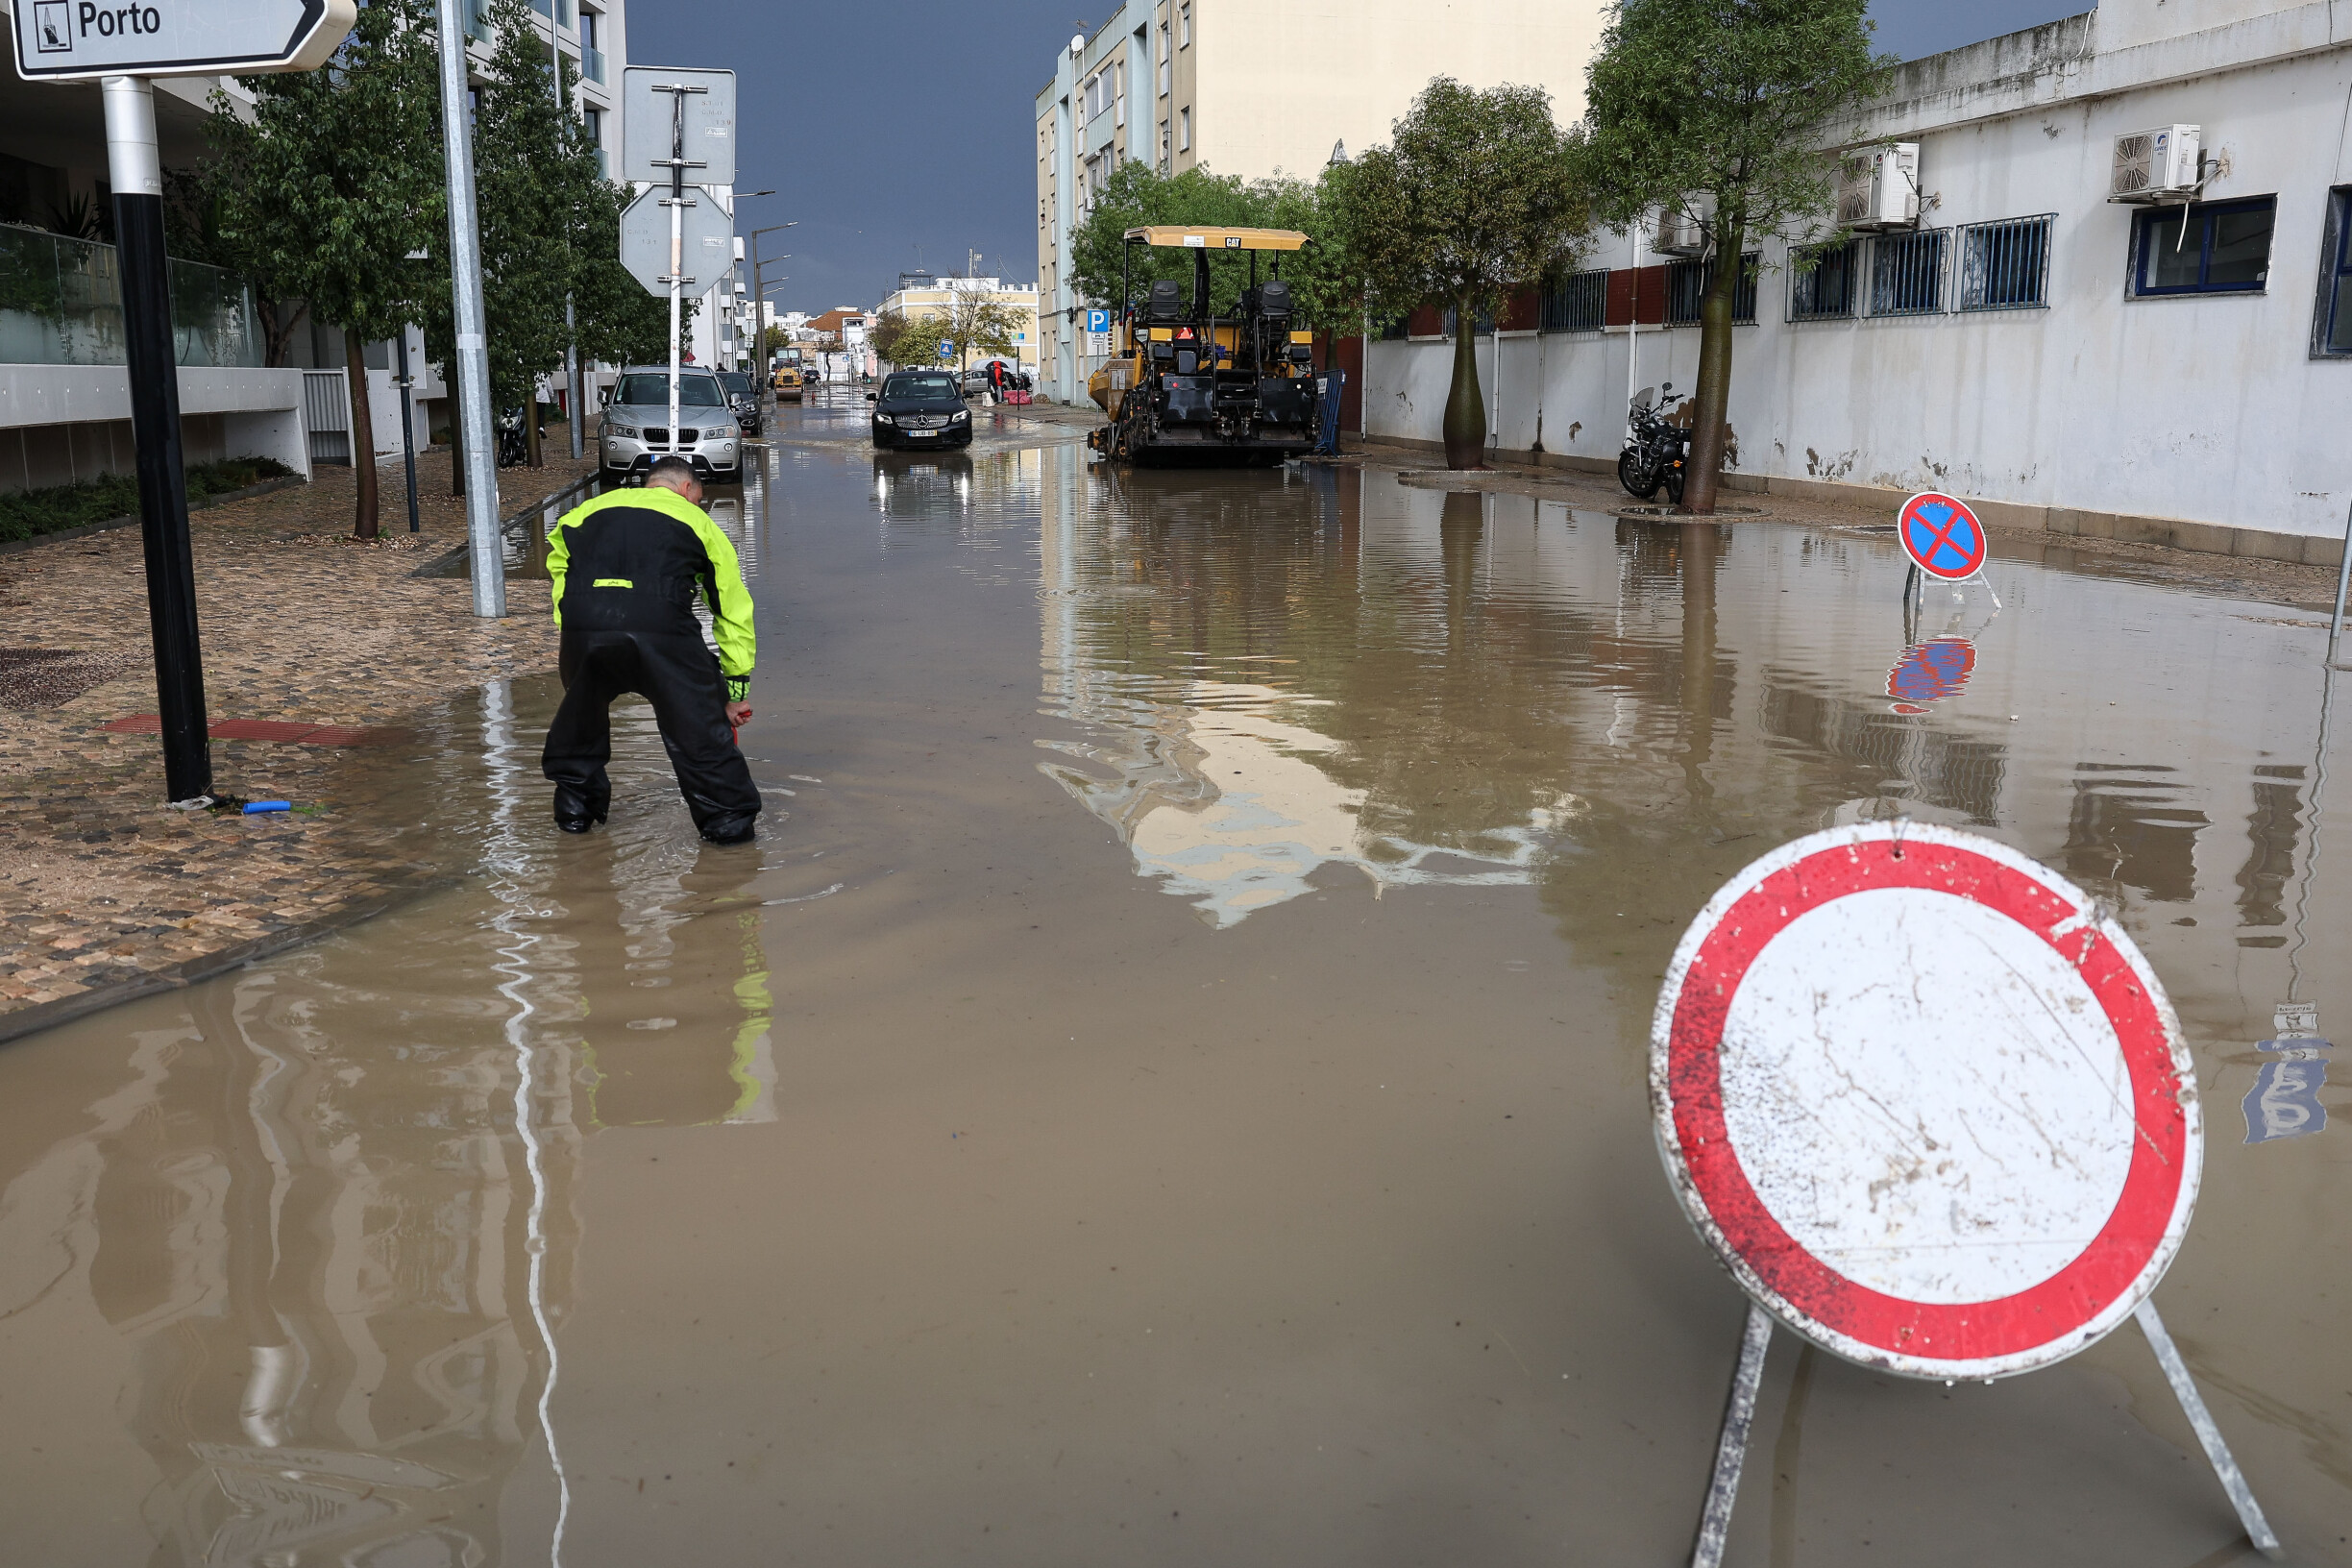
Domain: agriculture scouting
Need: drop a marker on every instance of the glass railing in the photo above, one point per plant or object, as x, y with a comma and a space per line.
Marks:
558, 12
477, 19
60, 303
592, 65
604, 163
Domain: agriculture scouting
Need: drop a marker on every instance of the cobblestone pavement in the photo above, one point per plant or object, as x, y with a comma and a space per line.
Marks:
106, 890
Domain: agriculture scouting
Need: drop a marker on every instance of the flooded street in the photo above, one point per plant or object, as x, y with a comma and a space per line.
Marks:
1168, 1085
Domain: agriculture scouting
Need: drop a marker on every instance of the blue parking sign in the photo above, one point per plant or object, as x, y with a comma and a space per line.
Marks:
1098, 321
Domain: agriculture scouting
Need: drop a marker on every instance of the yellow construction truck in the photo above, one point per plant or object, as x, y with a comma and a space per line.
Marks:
1189, 383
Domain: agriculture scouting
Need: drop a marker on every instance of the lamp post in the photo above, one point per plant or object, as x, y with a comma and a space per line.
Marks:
759, 326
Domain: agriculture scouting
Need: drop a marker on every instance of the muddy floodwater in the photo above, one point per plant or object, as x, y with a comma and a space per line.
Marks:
1168, 1085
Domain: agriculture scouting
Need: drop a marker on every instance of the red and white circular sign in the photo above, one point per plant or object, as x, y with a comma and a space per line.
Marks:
1929, 1108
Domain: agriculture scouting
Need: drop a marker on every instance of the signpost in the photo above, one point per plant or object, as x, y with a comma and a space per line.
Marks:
1944, 539
121, 48
1931, 1110
674, 120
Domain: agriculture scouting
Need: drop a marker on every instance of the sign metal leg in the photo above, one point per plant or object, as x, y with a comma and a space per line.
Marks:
2192, 1405
1732, 1448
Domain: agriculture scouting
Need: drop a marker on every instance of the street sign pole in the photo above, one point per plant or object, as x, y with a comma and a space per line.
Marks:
136, 169
679, 164
473, 367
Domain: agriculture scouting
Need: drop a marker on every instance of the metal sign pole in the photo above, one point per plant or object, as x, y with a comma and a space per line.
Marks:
472, 370
2343, 580
137, 171
407, 385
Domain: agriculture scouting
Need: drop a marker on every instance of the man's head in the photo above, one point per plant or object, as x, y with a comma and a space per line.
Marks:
676, 474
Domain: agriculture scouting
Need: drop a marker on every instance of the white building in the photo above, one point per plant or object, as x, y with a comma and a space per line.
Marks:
2081, 364
1256, 90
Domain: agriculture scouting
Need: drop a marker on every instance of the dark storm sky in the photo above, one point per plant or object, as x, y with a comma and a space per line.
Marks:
900, 137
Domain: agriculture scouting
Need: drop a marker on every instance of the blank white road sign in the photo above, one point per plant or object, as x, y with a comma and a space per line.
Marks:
645, 124
709, 235
1928, 1106
70, 40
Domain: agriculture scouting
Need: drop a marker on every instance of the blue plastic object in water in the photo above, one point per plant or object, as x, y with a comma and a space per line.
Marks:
257, 808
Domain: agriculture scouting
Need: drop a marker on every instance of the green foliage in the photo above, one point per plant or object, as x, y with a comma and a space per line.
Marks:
1724, 100
1323, 289
918, 342
337, 177
882, 335
28, 514
1478, 195
533, 197
980, 324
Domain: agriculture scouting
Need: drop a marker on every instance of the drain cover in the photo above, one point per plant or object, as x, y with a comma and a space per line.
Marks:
43, 677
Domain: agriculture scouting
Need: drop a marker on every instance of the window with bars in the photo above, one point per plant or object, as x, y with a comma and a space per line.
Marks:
2332, 330
1687, 284
1577, 302
2005, 265
1822, 282
1907, 273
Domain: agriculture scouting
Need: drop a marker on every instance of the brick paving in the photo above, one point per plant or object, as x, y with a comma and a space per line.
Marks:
314, 645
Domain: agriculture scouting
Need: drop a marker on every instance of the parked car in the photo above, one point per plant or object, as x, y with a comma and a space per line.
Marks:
920, 408
637, 424
744, 399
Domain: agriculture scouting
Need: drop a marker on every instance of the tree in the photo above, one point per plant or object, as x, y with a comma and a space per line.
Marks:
883, 333
192, 202
918, 342
332, 184
979, 323
1324, 293
1715, 108
1479, 195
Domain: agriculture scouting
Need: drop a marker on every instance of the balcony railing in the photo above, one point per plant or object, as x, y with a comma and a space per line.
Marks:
60, 303
558, 12
591, 65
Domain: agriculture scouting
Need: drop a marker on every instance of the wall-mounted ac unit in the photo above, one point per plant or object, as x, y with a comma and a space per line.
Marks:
2159, 165
1879, 189
1681, 232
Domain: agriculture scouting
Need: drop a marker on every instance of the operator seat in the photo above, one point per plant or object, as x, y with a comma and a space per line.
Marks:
1167, 302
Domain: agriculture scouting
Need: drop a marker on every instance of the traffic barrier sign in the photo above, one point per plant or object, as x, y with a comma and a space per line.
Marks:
1931, 1110
61, 41
1941, 536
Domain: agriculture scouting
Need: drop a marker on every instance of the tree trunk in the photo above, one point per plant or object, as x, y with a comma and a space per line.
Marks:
1465, 409
362, 435
1704, 465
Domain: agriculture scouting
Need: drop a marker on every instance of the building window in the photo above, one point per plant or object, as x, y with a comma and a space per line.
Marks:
2005, 265
1118, 95
1167, 62
2333, 330
1184, 25
1907, 274
1577, 302
594, 120
1687, 284
1822, 283
1164, 146
2203, 248
1184, 130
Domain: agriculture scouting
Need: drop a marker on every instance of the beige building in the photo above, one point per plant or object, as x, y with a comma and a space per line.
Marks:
921, 296
1254, 89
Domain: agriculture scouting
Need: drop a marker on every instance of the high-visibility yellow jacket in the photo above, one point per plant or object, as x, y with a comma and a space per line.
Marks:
634, 559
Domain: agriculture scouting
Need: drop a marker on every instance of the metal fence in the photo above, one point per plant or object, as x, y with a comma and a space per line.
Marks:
1687, 284
60, 303
2005, 265
1907, 273
327, 415
1822, 283
1578, 304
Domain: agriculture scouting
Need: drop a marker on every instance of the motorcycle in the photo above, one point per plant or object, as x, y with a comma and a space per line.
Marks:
1654, 449
512, 450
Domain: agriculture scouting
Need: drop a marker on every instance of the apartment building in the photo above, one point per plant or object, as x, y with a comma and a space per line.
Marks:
2109, 294
1259, 89
917, 296
65, 396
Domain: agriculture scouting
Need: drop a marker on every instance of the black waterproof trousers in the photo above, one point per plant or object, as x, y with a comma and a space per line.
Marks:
680, 675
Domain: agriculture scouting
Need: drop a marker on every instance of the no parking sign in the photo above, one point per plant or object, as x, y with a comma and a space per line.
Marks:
1941, 536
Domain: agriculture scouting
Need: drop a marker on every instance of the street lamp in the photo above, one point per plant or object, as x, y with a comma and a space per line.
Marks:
759, 338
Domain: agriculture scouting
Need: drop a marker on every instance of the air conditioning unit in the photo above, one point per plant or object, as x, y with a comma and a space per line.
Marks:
2156, 165
1681, 232
1879, 189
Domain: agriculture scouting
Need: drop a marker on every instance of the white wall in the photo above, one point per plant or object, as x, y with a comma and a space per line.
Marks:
2205, 408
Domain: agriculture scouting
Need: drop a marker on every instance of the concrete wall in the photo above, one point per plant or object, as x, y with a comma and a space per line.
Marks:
2209, 409
60, 424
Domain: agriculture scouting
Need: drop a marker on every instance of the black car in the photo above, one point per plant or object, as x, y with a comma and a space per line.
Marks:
742, 400
920, 408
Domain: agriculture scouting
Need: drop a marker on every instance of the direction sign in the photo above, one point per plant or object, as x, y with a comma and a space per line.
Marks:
65, 40
709, 247
1926, 1104
646, 125
1941, 536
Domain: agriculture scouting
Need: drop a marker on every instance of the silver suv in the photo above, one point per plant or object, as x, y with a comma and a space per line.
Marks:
637, 423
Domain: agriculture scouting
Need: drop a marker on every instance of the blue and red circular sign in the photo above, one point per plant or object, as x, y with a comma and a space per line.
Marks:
1942, 535
1930, 672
